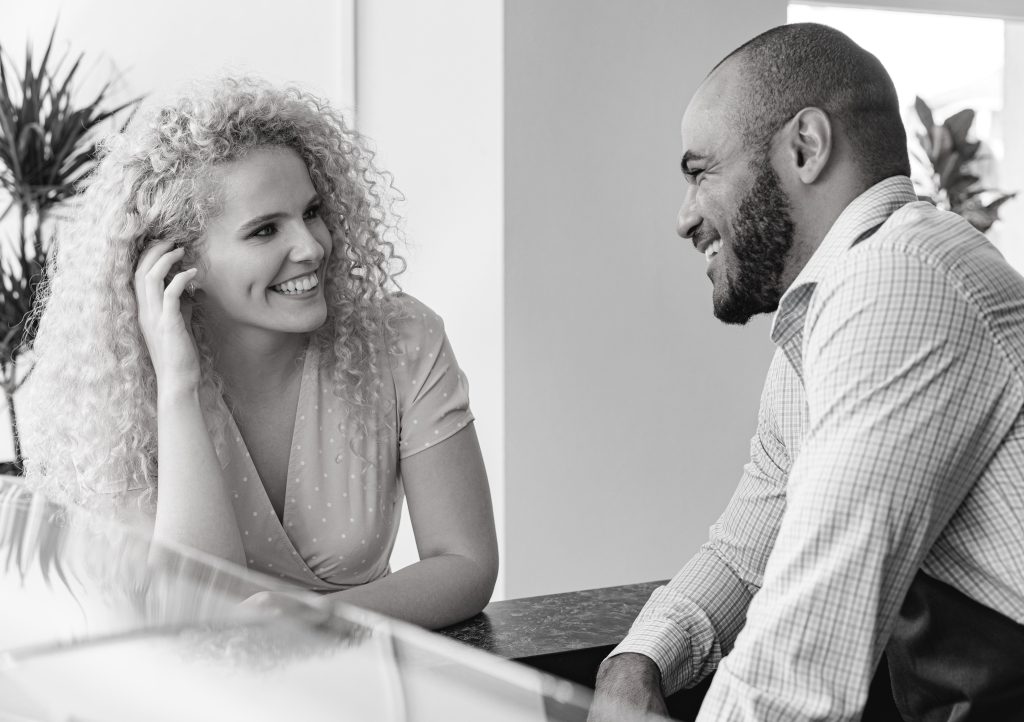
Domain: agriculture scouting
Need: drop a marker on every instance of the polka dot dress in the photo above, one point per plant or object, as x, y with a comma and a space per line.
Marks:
344, 495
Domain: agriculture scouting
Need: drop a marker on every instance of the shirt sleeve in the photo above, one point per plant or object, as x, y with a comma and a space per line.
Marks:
689, 624
908, 400
432, 391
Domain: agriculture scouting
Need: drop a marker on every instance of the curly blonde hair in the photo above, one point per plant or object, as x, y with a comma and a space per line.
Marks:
89, 431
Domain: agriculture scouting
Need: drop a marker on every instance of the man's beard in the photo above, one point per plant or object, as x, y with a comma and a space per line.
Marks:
762, 236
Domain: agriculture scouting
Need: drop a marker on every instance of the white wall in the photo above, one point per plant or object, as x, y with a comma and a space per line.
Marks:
429, 92
542, 185
155, 51
629, 407
159, 47
1012, 170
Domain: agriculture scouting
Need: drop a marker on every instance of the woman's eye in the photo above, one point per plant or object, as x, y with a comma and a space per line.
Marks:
311, 213
263, 231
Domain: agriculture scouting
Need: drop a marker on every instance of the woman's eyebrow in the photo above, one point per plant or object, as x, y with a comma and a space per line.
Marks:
267, 217
259, 220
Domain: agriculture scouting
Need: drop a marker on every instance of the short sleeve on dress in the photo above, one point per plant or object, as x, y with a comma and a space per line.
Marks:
432, 392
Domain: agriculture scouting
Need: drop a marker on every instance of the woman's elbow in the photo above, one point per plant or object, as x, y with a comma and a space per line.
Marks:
483, 578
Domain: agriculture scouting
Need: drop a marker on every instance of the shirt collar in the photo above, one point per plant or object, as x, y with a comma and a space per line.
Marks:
866, 212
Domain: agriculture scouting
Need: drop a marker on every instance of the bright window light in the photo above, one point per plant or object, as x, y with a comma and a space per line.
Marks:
951, 61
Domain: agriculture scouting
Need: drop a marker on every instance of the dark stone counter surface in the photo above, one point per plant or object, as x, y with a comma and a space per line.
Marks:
554, 623
569, 634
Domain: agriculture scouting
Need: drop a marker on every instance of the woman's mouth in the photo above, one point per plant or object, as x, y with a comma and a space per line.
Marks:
297, 286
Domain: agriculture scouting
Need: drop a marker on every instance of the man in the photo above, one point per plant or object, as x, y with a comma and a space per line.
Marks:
883, 505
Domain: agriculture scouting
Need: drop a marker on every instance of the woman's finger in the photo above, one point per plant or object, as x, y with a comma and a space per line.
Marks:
149, 257
172, 294
187, 304
154, 282
162, 266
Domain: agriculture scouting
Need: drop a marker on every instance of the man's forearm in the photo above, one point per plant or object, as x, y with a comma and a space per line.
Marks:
628, 687
690, 623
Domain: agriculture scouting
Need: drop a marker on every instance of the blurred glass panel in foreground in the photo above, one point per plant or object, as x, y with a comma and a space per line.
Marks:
93, 629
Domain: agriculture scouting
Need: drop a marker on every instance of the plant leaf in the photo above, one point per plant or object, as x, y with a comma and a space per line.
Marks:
942, 145
924, 113
993, 207
48, 142
958, 125
960, 184
948, 169
969, 150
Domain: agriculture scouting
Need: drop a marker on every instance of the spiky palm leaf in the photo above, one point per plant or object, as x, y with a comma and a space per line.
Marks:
48, 143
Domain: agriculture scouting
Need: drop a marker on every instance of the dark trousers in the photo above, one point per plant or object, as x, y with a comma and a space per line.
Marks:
953, 659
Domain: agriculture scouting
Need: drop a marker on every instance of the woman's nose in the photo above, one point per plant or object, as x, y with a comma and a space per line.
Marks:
306, 247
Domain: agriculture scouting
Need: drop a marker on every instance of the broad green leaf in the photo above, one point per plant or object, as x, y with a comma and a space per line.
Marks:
961, 184
993, 207
958, 124
942, 145
924, 113
948, 168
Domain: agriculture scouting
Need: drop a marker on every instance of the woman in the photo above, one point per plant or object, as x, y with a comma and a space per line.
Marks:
223, 312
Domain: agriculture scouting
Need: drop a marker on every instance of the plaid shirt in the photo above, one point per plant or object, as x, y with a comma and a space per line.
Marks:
890, 439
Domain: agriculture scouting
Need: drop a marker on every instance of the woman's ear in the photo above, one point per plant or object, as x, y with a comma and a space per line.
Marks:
808, 144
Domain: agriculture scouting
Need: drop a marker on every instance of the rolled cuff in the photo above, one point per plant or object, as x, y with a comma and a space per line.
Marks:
681, 641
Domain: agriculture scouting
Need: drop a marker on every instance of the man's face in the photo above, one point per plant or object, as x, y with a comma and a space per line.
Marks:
735, 210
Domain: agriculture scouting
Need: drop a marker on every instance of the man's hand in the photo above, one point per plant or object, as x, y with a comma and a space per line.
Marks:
628, 688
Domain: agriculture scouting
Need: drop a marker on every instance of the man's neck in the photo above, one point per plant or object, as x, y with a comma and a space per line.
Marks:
816, 215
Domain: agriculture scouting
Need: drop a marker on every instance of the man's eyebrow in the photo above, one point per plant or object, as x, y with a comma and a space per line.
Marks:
688, 157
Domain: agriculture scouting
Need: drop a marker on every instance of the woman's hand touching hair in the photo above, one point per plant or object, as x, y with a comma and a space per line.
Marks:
164, 317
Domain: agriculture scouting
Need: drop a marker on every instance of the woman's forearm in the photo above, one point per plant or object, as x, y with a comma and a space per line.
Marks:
432, 593
193, 507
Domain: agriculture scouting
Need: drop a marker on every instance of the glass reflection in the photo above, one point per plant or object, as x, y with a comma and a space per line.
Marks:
98, 624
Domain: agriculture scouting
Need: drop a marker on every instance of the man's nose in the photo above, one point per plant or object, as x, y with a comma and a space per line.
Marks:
689, 218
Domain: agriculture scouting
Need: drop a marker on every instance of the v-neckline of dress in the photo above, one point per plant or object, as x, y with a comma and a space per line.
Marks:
310, 361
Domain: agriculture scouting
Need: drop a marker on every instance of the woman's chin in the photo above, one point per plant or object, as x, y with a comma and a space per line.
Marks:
313, 323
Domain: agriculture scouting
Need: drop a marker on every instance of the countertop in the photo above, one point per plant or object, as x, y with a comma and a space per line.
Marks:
554, 623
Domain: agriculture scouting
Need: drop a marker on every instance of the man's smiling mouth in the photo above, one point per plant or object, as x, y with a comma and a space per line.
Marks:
712, 250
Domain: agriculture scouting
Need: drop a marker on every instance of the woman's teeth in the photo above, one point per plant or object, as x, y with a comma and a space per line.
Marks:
297, 285
712, 250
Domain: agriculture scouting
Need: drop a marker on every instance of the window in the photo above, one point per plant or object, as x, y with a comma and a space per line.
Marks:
951, 61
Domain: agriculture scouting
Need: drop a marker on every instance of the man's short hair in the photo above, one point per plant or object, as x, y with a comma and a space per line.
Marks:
796, 66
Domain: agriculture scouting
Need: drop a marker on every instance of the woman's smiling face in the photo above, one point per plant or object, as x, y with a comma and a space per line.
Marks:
267, 248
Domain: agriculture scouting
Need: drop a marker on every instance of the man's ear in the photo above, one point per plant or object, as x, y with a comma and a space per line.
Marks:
807, 144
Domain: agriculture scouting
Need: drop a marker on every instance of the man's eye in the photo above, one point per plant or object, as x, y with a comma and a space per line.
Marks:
311, 213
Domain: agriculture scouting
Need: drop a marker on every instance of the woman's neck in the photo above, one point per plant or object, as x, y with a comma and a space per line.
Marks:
255, 364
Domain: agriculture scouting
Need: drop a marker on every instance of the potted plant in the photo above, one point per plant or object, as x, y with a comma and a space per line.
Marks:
951, 157
48, 143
